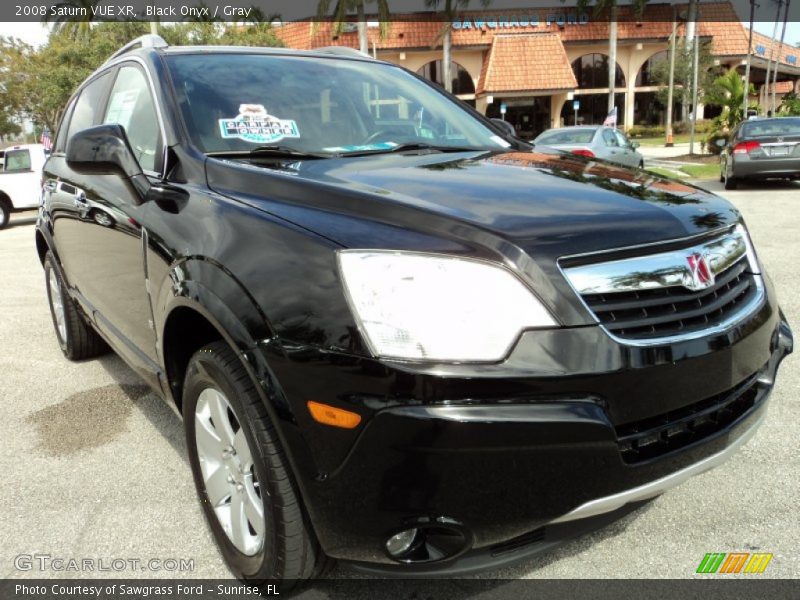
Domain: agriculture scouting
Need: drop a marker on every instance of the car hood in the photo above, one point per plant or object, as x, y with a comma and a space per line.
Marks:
549, 204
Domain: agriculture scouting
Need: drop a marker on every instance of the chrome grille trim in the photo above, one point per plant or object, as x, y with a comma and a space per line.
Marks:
659, 271
666, 269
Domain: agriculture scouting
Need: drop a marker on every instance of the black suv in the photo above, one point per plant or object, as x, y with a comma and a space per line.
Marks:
397, 336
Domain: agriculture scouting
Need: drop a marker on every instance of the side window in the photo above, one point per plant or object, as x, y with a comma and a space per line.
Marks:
84, 115
609, 138
623, 141
131, 105
61, 134
18, 160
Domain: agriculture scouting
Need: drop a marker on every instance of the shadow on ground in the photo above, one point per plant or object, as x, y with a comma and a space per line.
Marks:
168, 424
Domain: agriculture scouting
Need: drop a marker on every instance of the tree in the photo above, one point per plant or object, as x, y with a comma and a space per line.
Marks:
74, 17
790, 105
38, 82
345, 7
610, 7
450, 9
727, 91
8, 126
707, 73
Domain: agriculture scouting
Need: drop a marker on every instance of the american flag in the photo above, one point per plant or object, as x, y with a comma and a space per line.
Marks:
611, 119
45, 139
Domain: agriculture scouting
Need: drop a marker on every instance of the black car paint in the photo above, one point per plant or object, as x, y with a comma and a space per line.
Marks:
250, 245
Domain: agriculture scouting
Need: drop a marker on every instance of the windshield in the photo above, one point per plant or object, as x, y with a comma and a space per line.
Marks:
766, 128
239, 102
566, 136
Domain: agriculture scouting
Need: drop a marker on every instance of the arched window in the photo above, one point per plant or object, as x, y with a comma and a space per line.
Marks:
645, 76
462, 80
591, 71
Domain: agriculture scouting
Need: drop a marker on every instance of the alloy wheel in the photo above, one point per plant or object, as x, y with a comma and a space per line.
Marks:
226, 463
57, 303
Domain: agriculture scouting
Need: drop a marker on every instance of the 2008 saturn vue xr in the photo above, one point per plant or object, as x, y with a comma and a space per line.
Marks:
397, 337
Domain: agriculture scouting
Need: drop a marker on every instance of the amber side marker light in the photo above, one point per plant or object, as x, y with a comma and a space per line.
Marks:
335, 417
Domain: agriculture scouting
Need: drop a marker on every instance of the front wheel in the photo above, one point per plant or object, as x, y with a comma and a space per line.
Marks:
241, 473
75, 336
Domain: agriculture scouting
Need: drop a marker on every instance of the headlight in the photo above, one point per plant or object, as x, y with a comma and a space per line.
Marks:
418, 306
752, 258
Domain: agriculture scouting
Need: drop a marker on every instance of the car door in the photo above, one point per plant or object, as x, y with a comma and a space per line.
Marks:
111, 273
61, 184
628, 154
611, 148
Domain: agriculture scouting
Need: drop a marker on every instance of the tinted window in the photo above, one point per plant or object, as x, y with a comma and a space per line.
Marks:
236, 102
131, 105
622, 140
770, 127
566, 136
61, 136
86, 108
610, 138
18, 160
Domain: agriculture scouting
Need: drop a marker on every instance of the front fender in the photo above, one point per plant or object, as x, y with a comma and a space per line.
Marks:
207, 288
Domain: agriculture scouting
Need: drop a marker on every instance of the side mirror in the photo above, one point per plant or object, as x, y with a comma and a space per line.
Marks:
721, 142
507, 127
635, 145
104, 150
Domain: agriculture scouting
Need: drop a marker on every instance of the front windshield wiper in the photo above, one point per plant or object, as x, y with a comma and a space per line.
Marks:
269, 151
414, 146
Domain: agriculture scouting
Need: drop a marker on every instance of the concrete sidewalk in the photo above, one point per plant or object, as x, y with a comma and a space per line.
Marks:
662, 152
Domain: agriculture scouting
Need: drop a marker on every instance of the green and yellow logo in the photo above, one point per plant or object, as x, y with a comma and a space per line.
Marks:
734, 562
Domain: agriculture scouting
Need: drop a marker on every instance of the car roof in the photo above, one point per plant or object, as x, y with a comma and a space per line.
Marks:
153, 44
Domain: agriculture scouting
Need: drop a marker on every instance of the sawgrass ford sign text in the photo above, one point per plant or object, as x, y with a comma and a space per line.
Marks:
544, 20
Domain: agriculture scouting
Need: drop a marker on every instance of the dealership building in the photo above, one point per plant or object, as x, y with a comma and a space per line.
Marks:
544, 68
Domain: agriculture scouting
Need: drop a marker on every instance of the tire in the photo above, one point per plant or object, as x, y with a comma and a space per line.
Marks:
242, 458
77, 339
730, 182
641, 164
5, 214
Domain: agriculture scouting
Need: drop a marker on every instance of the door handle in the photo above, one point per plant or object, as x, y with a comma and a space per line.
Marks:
80, 199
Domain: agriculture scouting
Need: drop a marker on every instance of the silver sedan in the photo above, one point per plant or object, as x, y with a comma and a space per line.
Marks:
597, 141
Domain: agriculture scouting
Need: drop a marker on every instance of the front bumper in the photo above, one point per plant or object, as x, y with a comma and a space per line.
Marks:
520, 463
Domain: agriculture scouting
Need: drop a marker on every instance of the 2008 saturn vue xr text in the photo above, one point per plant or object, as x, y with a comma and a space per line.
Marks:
397, 337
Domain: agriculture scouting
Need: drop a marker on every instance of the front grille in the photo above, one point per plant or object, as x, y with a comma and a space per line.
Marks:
667, 311
656, 436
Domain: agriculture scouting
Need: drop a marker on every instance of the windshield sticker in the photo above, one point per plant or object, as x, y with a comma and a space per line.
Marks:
361, 148
253, 124
499, 141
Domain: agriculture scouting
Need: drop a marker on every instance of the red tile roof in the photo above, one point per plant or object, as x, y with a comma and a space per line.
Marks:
519, 63
718, 21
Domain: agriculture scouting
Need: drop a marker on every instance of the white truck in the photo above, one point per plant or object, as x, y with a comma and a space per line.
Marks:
20, 179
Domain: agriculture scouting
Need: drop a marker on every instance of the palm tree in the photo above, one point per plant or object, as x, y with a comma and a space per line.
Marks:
610, 6
728, 92
778, 57
765, 87
77, 27
449, 11
344, 7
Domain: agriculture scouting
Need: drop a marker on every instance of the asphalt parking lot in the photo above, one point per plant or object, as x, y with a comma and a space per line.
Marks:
94, 465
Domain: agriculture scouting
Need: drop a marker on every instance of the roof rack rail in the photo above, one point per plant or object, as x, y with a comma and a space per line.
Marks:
146, 41
342, 51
